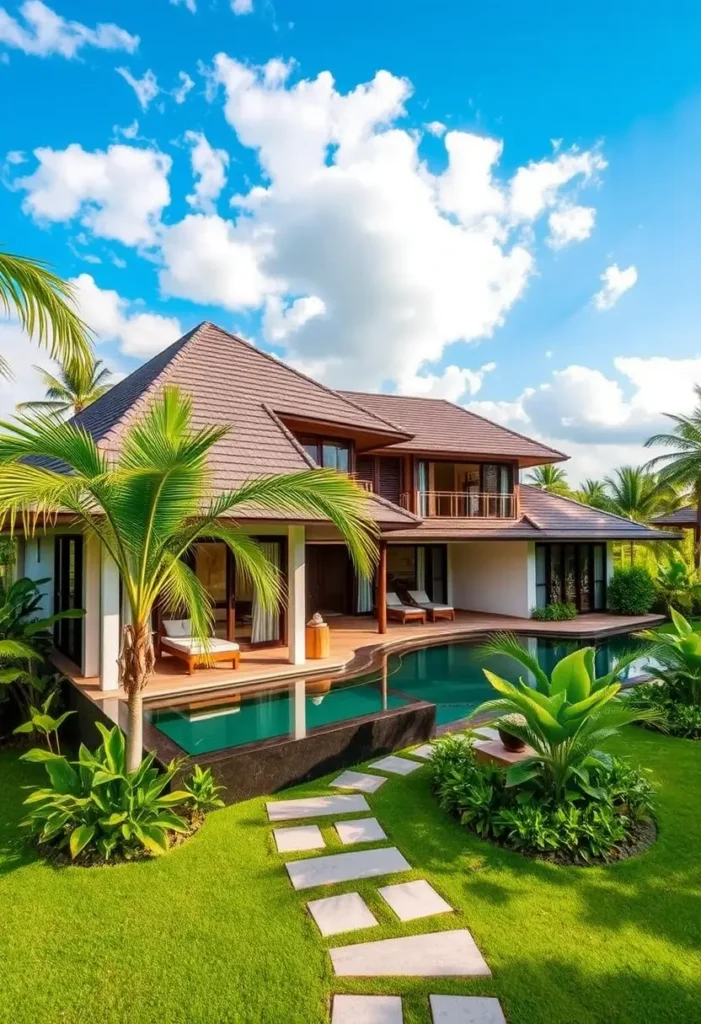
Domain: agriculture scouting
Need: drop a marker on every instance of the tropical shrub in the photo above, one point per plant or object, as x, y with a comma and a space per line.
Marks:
631, 591
581, 830
204, 791
675, 662
678, 585
41, 722
558, 611
100, 811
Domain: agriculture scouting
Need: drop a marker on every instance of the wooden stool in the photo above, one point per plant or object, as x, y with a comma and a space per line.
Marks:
317, 643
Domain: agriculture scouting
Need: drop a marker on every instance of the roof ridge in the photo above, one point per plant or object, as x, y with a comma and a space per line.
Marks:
591, 508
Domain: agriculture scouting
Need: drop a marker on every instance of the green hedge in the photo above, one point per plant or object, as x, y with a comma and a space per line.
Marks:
631, 591
556, 612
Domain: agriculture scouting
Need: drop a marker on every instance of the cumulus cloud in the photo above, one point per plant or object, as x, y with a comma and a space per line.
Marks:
280, 320
114, 318
209, 168
436, 128
535, 187
118, 194
453, 383
45, 33
616, 282
146, 88
570, 223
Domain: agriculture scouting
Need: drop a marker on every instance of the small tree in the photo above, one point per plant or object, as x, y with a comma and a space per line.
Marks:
76, 386
631, 591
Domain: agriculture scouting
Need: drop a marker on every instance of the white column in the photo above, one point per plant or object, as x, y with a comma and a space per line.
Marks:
531, 599
91, 603
109, 623
296, 592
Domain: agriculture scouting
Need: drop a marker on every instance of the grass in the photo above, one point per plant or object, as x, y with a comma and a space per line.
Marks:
214, 933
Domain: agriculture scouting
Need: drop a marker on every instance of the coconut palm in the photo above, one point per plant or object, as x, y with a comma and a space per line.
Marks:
681, 467
150, 503
549, 478
638, 494
42, 301
76, 385
594, 493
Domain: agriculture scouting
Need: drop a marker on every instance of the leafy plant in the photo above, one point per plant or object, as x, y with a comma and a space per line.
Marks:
42, 722
549, 478
95, 805
76, 386
204, 791
631, 591
675, 658
558, 611
678, 584
566, 717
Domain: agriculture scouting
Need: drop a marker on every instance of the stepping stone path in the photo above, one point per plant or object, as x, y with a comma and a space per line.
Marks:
410, 900
359, 780
451, 953
346, 913
367, 1010
364, 830
345, 867
299, 837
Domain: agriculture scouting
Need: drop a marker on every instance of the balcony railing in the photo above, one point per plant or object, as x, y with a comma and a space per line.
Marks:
366, 485
458, 505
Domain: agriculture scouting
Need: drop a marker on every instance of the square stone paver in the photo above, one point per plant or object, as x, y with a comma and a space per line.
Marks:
466, 1010
452, 954
346, 913
396, 765
299, 837
364, 830
367, 1010
426, 752
359, 780
345, 867
410, 900
315, 807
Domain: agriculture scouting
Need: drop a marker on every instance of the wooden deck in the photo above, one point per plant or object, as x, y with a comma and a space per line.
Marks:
355, 642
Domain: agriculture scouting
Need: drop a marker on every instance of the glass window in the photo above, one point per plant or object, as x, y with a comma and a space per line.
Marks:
312, 449
335, 456
599, 575
541, 577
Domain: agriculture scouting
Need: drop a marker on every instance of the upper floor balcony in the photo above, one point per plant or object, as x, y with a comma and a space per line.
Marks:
460, 504
462, 490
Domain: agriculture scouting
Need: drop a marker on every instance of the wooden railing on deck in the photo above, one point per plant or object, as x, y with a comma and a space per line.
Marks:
459, 505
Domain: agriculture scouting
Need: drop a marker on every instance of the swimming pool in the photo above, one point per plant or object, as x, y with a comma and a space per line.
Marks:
447, 675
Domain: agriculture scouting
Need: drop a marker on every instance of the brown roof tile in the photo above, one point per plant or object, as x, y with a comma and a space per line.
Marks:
682, 517
439, 426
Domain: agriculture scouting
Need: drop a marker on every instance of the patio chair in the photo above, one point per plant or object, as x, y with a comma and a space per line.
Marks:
432, 608
403, 612
179, 642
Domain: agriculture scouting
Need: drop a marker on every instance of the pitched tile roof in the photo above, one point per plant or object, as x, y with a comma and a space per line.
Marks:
440, 426
682, 517
543, 517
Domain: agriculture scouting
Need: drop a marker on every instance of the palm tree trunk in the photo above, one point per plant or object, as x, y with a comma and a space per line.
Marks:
136, 662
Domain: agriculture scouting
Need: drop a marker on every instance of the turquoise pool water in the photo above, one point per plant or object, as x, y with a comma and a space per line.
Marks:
449, 676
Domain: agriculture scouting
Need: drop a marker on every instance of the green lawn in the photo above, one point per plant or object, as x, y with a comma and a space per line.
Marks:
214, 933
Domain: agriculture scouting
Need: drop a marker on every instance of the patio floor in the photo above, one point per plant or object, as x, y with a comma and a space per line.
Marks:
353, 640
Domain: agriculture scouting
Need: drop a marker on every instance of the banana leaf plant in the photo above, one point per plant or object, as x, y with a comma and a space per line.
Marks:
563, 718
675, 655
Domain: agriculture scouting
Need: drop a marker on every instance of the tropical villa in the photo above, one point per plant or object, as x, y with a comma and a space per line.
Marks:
464, 547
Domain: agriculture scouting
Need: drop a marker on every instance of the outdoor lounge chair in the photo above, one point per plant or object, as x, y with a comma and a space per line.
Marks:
432, 608
403, 612
178, 642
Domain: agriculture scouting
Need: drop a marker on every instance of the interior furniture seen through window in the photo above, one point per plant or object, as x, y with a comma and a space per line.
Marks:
418, 567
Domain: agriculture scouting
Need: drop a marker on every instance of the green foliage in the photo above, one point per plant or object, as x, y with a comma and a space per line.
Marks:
8, 554
77, 385
676, 659
549, 478
558, 611
631, 591
40, 721
588, 826
566, 717
678, 584
95, 807
204, 791
677, 717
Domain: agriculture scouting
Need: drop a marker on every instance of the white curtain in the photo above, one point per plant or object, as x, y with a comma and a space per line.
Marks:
266, 624
364, 603
420, 568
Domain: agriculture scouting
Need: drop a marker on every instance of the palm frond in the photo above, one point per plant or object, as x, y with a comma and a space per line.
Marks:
508, 645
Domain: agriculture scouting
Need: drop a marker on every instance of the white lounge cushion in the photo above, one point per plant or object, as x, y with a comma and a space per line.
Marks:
193, 646
420, 597
393, 601
177, 627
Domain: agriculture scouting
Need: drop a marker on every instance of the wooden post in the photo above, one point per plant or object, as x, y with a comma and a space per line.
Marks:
382, 589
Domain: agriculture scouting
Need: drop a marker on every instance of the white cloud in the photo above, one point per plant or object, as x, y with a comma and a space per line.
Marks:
453, 383
535, 187
280, 321
146, 88
44, 33
242, 6
114, 318
570, 223
209, 168
117, 194
16, 157
180, 92
22, 356
189, 4
615, 283
436, 128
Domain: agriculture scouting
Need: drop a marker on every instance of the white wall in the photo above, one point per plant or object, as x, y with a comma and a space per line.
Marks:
39, 564
493, 576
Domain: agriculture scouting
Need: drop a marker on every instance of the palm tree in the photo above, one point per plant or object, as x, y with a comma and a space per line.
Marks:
42, 301
151, 503
77, 385
681, 467
593, 493
636, 493
549, 478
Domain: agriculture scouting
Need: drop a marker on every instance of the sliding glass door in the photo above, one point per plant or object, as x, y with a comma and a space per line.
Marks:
572, 573
68, 593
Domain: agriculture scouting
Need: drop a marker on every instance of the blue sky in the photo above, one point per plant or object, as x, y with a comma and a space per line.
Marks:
403, 236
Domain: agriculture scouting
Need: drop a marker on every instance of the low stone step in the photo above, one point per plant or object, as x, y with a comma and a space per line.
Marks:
346, 913
315, 807
411, 900
346, 867
359, 780
298, 837
448, 954
364, 830
367, 1010
466, 1010
395, 765
425, 751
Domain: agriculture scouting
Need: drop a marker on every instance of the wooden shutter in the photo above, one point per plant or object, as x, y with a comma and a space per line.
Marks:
390, 476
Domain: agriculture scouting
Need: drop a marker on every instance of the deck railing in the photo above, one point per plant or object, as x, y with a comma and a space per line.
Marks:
366, 485
459, 505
